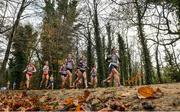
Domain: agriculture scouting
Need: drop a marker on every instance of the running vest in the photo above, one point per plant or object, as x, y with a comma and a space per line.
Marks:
69, 63
82, 65
51, 79
93, 72
30, 68
46, 69
114, 60
63, 70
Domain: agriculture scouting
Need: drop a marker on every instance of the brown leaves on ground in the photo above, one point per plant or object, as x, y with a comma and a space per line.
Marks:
166, 97
19, 101
76, 104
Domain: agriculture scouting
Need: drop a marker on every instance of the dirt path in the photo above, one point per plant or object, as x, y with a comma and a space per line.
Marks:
100, 99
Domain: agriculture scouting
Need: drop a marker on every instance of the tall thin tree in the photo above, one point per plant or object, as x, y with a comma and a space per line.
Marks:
98, 45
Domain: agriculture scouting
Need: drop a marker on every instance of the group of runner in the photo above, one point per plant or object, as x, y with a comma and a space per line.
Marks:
66, 71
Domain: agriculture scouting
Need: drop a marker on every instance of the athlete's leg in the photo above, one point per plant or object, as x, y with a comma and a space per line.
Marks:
52, 85
70, 77
47, 79
91, 80
95, 83
27, 81
116, 77
85, 79
42, 80
109, 78
63, 81
79, 76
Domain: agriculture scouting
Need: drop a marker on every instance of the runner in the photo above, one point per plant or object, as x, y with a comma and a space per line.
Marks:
114, 61
94, 76
78, 80
81, 72
8, 84
45, 75
64, 75
51, 82
69, 66
30, 69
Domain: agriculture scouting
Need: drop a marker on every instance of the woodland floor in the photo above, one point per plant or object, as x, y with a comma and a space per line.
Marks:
99, 99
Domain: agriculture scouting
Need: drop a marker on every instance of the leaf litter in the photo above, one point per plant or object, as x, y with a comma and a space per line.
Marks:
162, 97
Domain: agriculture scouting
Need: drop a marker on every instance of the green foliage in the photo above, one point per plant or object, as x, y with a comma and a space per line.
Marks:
171, 71
171, 74
56, 36
22, 45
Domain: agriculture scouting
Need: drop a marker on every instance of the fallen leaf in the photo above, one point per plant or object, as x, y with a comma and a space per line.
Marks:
176, 101
6, 109
78, 108
158, 93
68, 101
158, 90
18, 105
43, 98
24, 94
81, 99
116, 105
107, 109
145, 92
86, 94
125, 94
47, 107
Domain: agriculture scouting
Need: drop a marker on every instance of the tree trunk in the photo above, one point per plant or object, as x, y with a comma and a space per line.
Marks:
98, 46
77, 50
123, 59
175, 59
129, 65
106, 71
90, 58
143, 41
108, 29
157, 64
5, 60
169, 56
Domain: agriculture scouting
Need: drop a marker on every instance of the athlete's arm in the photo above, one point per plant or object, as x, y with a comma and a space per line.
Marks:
34, 68
25, 69
108, 58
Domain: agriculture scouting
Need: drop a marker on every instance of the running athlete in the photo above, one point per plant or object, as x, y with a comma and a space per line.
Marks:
51, 82
94, 76
30, 69
69, 66
8, 85
81, 72
78, 80
64, 76
114, 61
45, 75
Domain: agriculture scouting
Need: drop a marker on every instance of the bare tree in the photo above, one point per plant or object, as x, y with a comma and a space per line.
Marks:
24, 4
